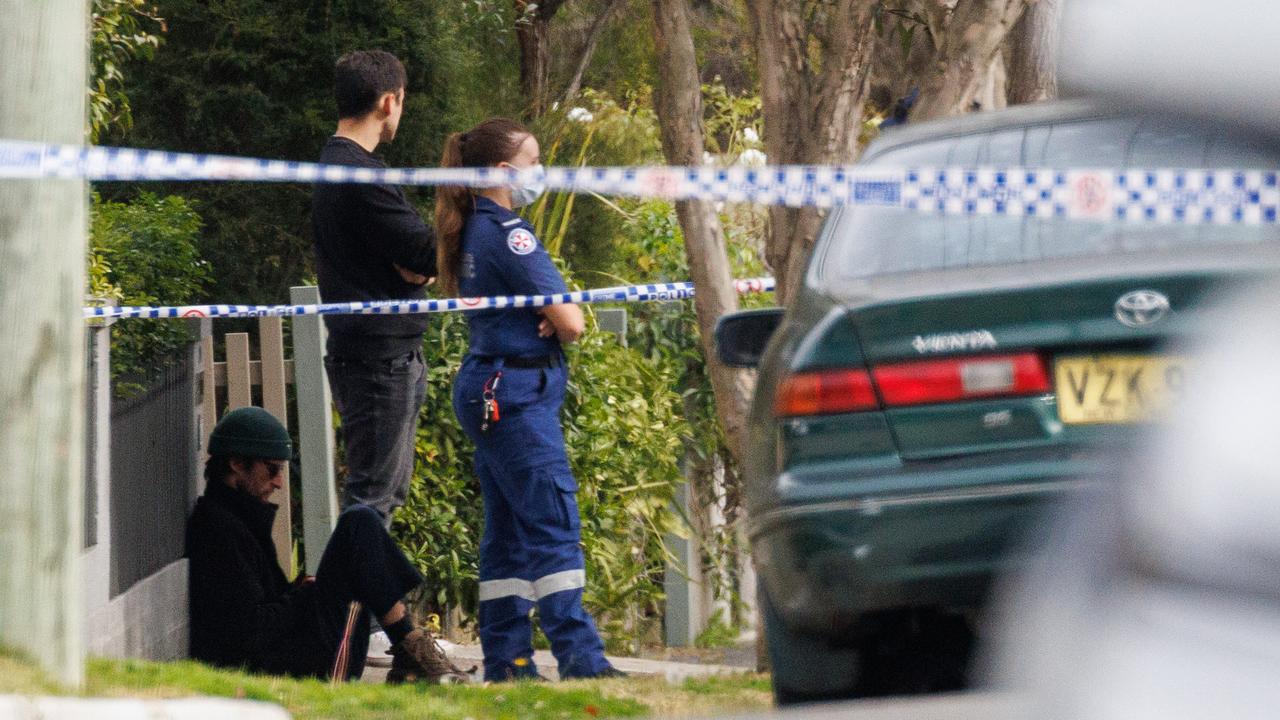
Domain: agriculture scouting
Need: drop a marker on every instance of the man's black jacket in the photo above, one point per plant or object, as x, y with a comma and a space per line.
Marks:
244, 612
361, 233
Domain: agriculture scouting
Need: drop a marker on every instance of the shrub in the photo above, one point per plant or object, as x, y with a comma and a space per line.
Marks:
143, 252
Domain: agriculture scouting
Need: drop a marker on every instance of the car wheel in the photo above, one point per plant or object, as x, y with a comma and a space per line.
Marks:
806, 668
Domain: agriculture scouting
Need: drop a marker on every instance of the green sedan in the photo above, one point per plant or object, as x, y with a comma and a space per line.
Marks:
942, 379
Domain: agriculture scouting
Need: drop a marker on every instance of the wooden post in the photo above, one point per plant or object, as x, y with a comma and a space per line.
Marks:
274, 401
42, 246
239, 379
315, 429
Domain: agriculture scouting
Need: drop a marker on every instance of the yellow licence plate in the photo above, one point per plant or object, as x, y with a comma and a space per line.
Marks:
1116, 388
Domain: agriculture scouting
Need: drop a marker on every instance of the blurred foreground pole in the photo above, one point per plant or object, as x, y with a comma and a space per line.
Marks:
42, 245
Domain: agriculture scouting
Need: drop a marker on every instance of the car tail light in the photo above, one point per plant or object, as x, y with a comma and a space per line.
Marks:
940, 381
824, 392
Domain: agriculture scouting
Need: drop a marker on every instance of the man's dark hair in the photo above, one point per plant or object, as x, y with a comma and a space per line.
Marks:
363, 76
217, 468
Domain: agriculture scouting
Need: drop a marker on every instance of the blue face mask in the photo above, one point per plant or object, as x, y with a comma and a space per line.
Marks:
528, 191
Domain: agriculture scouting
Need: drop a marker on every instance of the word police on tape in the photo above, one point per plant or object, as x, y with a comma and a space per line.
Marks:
656, 292
1225, 196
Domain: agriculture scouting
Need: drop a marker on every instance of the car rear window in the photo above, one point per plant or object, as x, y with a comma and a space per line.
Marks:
860, 242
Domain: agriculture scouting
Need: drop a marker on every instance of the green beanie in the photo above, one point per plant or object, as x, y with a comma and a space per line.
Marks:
250, 432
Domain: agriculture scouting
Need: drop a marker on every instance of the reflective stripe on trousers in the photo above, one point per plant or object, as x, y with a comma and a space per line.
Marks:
533, 591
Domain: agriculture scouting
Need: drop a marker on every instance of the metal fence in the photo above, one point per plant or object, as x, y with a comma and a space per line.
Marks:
153, 456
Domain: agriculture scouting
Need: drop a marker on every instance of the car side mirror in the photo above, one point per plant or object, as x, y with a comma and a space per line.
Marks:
742, 336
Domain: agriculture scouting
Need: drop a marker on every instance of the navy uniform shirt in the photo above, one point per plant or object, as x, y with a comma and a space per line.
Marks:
501, 256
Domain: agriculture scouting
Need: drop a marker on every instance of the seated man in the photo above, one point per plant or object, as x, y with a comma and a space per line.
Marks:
245, 613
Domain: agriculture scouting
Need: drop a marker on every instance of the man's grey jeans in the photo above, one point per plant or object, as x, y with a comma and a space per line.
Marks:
378, 401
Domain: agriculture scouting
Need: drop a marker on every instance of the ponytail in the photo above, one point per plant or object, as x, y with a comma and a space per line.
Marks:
452, 204
493, 141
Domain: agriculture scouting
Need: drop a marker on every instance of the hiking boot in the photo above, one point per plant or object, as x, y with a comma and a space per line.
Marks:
419, 658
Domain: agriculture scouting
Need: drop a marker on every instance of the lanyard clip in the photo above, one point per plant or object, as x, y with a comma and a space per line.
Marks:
492, 413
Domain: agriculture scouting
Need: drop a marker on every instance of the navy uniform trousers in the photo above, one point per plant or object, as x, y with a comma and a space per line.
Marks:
530, 553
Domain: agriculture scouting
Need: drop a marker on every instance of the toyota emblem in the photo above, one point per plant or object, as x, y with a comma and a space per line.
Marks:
1141, 308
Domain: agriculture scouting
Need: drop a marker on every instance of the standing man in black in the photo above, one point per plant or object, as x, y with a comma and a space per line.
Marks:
372, 245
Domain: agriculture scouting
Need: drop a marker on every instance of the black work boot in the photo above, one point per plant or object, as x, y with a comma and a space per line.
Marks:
419, 658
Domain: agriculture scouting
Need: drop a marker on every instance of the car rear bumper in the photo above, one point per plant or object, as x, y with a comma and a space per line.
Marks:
924, 535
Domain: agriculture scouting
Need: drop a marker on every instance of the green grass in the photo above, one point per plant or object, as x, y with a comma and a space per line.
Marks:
578, 700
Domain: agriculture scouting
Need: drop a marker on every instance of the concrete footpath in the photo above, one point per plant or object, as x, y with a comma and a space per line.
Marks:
468, 656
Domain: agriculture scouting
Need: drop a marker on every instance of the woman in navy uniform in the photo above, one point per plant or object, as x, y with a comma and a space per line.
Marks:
507, 397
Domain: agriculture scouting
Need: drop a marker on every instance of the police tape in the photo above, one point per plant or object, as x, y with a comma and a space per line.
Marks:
654, 292
1178, 196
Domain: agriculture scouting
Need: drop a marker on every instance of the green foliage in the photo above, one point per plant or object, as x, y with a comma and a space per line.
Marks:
641, 241
596, 130
143, 252
651, 248
120, 31
625, 429
624, 61
719, 632
731, 120
255, 77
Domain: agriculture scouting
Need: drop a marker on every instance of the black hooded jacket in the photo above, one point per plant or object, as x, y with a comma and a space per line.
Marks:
244, 611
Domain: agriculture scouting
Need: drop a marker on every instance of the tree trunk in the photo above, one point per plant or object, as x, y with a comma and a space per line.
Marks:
533, 32
593, 39
679, 104
42, 246
812, 115
992, 94
1033, 54
812, 110
974, 35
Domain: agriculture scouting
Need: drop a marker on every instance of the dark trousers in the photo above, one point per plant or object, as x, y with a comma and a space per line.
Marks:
379, 402
530, 553
362, 563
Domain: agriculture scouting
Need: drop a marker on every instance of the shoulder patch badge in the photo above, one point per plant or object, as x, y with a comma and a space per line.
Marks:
521, 241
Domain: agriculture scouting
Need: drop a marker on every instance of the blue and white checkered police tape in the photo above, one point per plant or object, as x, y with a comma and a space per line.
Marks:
655, 292
1184, 196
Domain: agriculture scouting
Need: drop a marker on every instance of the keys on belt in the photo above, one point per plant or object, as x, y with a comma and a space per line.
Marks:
492, 413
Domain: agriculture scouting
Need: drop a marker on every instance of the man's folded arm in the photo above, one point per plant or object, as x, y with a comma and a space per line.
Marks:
397, 232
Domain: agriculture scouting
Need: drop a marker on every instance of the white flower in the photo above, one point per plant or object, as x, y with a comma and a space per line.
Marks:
580, 114
750, 135
753, 158
708, 158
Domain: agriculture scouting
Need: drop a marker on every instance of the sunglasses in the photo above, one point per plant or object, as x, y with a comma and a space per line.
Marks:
273, 468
